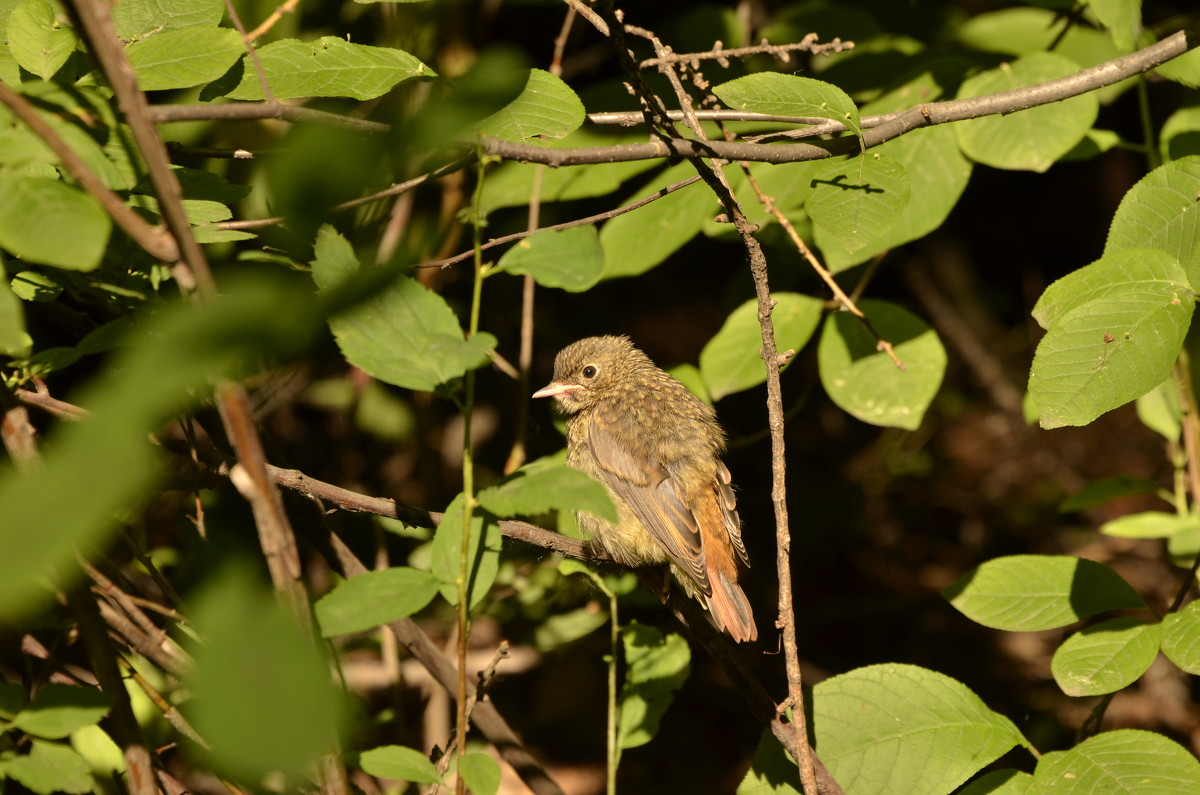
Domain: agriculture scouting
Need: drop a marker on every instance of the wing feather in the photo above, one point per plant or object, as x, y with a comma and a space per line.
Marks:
654, 497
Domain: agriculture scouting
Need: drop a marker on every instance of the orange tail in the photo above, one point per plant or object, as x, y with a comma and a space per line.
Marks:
728, 604
731, 609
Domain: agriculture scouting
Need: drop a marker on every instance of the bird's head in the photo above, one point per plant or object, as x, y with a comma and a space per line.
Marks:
588, 371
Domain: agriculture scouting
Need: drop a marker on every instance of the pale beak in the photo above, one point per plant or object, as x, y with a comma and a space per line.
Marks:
555, 388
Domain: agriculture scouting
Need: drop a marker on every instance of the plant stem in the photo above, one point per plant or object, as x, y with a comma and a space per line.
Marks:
468, 465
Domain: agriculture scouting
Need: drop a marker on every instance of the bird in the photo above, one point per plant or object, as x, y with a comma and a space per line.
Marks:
657, 449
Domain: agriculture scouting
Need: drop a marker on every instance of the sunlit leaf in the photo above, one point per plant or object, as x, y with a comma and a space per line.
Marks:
1027, 593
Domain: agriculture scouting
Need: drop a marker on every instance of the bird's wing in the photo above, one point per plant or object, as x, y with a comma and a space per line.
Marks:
653, 496
733, 524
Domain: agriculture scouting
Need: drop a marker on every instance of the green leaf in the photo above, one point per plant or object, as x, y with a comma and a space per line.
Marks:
864, 381
571, 258
39, 37
376, 597
1122, 18
1031, 139
1114, 330
730, 361
789, 95
563, 628
1001, 782
656, 666
184, 58
1160, 410
50, 768
938, 173
1160, 211
859, 200
33, 214
1149, 524
1024, 31
899, 728
547, 108
1128, 761
328, 67
278, 714
1028, 593
14, 341
335, 261
1114, 275
483, 553
772, 772
480, 772
1183, 69
536, 490
1181, 638
398, 762
1105, 657
1180, 134
1102, 491
57, 710
12, 700
406, 334
34, 286
637, 241
136, 19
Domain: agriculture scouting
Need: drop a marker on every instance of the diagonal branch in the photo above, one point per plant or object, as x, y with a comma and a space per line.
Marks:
153, 239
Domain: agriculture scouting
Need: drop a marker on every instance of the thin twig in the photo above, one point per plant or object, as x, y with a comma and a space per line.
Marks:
168, 710
591, 219
256, 111
42, 399
722, 56
844, 300
248, 42
18, 433
284, 8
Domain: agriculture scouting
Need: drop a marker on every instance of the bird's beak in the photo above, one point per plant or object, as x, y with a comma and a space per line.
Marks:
555, 388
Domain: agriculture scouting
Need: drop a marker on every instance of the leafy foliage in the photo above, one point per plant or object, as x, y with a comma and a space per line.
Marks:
316, 184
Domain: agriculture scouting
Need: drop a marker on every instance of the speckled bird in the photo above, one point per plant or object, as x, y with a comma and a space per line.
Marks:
657, 449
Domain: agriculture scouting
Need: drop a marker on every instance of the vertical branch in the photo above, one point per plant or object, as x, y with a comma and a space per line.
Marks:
714, 176
464, 563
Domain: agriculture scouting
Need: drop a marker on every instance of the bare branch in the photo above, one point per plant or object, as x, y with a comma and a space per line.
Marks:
782, 51
925, 115
591, 219
253, 111
285, 8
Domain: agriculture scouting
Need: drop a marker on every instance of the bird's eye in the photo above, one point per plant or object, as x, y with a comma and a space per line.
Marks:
590, 371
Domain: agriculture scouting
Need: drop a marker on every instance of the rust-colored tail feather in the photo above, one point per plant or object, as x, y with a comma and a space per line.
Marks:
727, 603
731, 609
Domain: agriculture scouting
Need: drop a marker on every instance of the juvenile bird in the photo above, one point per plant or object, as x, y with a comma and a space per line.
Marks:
656, 448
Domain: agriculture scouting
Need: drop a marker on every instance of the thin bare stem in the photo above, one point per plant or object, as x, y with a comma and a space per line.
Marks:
284, 8
248, 42
591, 219
722, 55
844, 300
